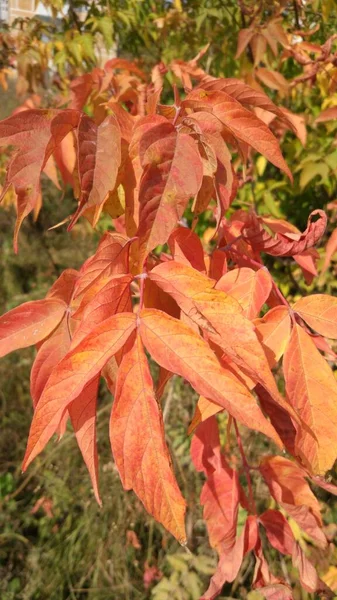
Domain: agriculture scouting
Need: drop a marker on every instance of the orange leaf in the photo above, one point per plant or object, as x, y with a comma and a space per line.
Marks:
113, 298
29, 323
241, 123
204, 409
49, 355
71, 376
174, 346
320, 312
142, 459
273, 331
82, 413
250, 288
221, 317
312, 391
110, 258
221, 492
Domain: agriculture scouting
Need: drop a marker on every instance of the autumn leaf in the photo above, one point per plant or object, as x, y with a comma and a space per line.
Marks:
174, 346
312, 391
114, 297
111, 258
50, 353
72, 374
319, 311
273, 330
29, 323
221, 317
221, 492
250, 288
186, 248
249, 97
143, 461
82, 412
230, 562
288, 243
288, 486
99, 157
240, 122
168, 182
278, 531
34, 134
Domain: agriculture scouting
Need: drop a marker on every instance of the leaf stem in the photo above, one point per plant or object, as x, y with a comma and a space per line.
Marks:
246, 468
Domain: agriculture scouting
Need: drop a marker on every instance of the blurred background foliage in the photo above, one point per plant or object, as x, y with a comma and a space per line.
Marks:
55, 542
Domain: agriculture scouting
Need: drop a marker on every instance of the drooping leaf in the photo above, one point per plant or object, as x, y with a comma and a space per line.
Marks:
287, 485
168, 182
35, 134
319, 311
278, 531
186, 248
230, 562
204, 409
138, 443
312, 391
29, 323
99, 157
72, 374
49, 355
82, 412
287, 244
221, 492
174, 346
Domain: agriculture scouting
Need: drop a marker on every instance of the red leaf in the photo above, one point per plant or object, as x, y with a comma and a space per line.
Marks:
168, 182
72, 374
286, 244
287, 485
186, 248
230, 561
248, 96
49, 355
177, 348
35, 134
143, 461
327, 115
29, 323
99, 157
278, 531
